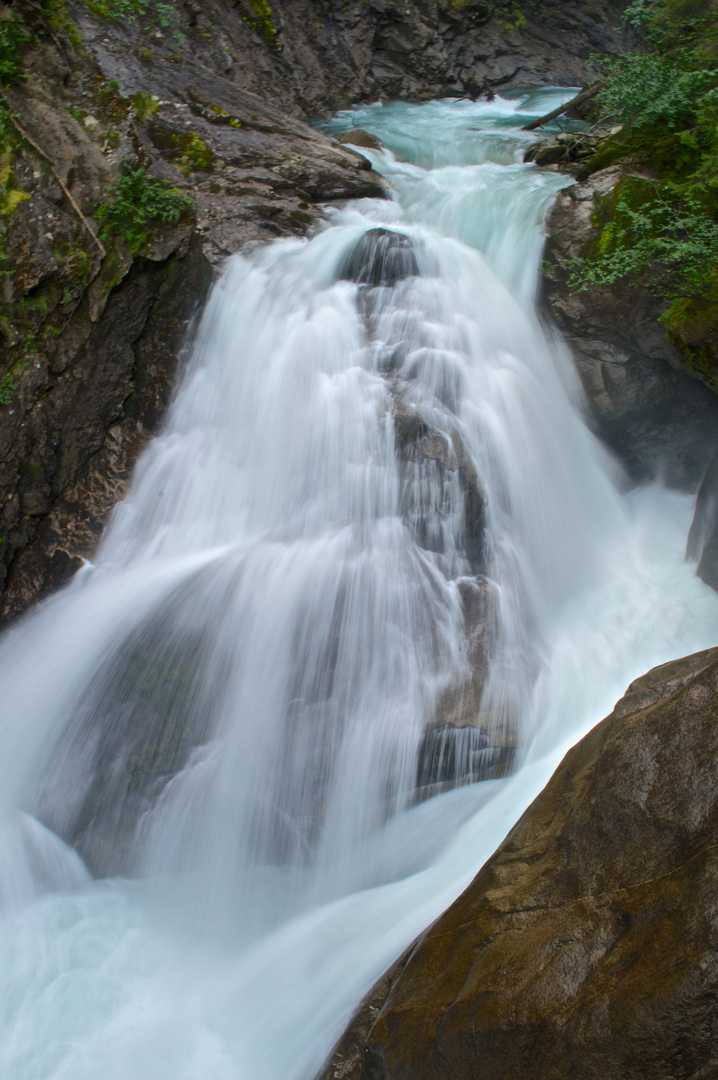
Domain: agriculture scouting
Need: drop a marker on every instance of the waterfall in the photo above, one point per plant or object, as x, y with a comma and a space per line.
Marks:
371, 581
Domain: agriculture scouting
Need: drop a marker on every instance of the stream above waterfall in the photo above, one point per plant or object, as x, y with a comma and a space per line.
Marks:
371, 581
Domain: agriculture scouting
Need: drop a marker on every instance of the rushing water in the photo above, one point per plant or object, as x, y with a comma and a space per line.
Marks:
225, 715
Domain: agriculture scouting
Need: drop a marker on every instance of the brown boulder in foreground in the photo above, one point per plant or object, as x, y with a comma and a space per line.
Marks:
588, 945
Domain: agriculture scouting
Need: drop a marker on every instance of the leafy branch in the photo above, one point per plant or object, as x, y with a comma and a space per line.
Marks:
668, 244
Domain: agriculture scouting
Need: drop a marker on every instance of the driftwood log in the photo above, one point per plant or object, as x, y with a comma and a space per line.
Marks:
579, 99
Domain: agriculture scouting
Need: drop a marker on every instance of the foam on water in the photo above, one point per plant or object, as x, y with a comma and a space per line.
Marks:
232, 700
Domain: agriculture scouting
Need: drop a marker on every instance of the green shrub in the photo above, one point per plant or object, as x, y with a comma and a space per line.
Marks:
138, 202
664, 242
646, 91
662, 234
13, 37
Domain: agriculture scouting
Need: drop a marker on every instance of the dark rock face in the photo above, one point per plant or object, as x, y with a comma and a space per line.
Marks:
380, 257
68, 449
702, 546
661, 423
587, 944
89, 344
311, 59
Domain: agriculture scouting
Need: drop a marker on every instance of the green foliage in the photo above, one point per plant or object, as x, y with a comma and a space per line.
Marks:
154, 13
138, 202
195, 155
639, 12
118, 9
656, 238
511, 18
645, 91
144, 105
13, 37
8, 389
261, 20
662, 234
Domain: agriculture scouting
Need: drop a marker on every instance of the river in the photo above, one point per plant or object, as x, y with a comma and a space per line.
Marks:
214, 837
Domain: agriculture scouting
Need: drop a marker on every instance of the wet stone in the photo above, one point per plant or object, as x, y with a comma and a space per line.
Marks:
380, 257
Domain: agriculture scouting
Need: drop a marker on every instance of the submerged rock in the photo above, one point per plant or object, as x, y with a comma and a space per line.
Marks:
380, 257
702, 546
586, 945
419, 449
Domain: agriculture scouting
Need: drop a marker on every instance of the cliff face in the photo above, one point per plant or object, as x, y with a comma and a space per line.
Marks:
661, 423
310, 57
92, 330
586, 945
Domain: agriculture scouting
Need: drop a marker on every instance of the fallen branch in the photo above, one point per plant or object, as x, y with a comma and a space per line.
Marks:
584, 95
38, 149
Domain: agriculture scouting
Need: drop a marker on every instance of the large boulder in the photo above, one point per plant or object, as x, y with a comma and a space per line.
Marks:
586, 946
380, 257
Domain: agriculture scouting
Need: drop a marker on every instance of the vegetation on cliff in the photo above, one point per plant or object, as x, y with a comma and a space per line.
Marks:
660, 231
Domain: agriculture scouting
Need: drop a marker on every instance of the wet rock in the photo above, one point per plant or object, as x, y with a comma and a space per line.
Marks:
359, 137
660, 422
144, 711
460, 743
450, 757
566, 150
380, 257
702, 546
586, 945
428, 455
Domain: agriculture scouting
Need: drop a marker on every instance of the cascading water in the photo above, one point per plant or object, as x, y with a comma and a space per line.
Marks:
375, 555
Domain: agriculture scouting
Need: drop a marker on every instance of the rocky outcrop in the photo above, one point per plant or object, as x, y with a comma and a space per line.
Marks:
380, 257
92, 331
702, 546
586, 945
659, 421
310, 58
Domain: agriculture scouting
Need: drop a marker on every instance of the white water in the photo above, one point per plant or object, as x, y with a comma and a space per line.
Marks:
261, 611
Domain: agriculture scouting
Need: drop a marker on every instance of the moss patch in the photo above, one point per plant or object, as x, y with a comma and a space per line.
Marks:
692, 327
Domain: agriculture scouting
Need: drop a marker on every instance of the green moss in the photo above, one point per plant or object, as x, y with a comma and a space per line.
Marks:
8, 389
260, 20
14, 39
511, 19
193, 154
76, 113
10, 196
118, 9
692, 327
145, 105
76, 259
221, 116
